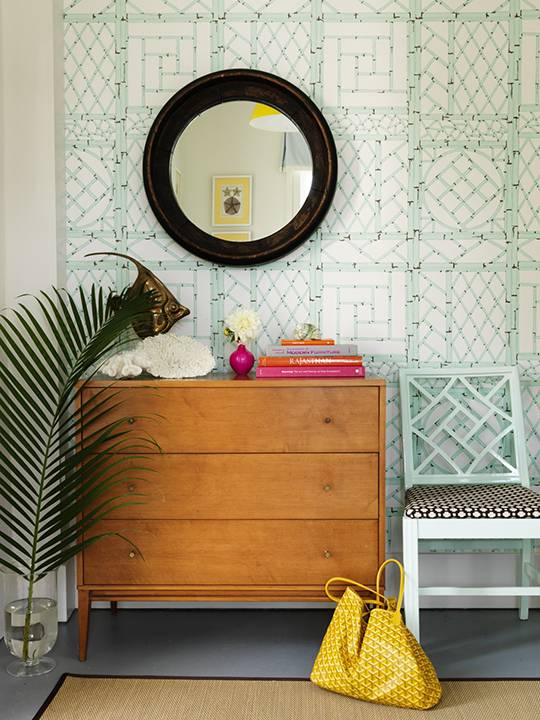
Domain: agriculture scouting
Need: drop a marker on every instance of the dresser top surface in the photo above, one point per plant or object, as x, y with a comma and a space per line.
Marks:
229, 380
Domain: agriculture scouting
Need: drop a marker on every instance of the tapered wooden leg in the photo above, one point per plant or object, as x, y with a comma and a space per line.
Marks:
114, 606
84, 618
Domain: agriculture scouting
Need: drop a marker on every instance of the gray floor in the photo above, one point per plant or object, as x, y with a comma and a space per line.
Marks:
264, 643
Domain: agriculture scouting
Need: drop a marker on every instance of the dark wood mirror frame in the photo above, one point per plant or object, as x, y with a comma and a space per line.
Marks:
214, 89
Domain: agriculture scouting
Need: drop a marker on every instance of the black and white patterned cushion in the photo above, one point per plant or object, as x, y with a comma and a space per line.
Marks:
472, 501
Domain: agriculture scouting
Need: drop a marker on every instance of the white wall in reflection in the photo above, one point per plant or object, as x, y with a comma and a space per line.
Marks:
221, 142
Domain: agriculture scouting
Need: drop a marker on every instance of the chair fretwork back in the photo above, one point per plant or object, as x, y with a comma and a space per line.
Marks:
462, 425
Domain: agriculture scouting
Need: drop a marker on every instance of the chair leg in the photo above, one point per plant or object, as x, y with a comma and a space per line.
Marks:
525, 557
410, 562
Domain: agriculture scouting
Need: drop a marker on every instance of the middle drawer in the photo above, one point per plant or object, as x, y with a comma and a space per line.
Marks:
254, 486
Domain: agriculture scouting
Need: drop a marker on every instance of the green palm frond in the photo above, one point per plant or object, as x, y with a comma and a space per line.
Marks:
57, 483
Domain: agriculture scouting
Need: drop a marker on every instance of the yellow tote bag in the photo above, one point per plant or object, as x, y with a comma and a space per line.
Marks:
369, 654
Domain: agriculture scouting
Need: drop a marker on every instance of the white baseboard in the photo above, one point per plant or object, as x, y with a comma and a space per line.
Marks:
435, 569
66, 588
2, 608
217, 605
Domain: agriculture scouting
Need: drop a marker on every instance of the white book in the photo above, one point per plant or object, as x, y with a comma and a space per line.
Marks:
310, 350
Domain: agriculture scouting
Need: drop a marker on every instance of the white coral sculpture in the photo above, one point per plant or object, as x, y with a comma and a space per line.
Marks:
166, 356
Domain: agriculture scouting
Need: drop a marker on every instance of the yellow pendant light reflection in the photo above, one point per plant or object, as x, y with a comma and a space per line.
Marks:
264, 117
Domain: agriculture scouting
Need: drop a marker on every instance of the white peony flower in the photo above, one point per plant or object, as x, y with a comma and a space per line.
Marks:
243, 325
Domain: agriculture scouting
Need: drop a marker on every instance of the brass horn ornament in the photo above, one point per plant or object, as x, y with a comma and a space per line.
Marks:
167, 310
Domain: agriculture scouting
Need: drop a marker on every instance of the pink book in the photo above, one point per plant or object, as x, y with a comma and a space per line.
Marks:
311, 372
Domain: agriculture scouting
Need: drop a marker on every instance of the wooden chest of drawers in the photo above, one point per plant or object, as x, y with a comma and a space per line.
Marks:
263, 489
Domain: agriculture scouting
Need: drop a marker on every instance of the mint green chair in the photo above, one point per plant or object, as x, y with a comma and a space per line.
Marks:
466, 476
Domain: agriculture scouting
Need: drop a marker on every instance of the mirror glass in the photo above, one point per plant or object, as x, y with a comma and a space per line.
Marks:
241, 171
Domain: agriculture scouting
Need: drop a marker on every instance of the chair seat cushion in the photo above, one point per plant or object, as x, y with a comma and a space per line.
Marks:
472, 501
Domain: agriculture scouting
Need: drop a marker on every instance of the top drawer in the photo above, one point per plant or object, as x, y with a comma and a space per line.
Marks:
249, 419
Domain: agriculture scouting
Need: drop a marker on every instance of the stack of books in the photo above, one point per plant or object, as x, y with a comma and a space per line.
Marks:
311, 359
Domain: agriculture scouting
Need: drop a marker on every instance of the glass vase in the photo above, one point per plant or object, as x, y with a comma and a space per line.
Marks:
31, 625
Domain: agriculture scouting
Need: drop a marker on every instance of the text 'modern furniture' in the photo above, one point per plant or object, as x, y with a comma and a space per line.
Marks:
466, 473
263, 490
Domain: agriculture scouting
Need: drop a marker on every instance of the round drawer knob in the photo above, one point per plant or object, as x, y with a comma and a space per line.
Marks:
131, 421
131, 487
327, 554
327, 420
327, 488
132, 553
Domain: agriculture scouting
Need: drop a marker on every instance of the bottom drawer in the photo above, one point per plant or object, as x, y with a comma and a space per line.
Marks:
233, 552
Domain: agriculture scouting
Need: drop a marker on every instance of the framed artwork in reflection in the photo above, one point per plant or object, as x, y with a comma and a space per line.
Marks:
231, 200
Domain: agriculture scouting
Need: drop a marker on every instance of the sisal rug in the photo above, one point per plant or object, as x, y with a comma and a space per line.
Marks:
117, 698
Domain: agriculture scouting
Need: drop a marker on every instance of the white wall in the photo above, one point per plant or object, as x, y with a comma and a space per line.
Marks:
31, 149
2, 138
31, 126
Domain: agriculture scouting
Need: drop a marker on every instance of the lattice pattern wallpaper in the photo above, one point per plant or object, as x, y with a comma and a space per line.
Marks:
431, 252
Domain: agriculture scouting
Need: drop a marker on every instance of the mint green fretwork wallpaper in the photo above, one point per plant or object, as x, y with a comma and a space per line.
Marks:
431, 251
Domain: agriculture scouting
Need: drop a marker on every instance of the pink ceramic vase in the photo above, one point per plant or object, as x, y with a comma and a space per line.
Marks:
241, 360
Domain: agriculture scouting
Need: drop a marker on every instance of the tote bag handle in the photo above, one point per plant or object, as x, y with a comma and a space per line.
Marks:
348, 581
399, 601
381, 599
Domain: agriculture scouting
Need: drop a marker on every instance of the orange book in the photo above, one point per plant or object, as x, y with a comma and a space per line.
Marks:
310, 361
308, 342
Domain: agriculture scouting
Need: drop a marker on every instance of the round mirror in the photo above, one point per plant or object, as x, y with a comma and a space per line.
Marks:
247, 171
240, 167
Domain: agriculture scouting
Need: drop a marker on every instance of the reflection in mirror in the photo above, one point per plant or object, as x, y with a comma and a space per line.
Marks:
241, 171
